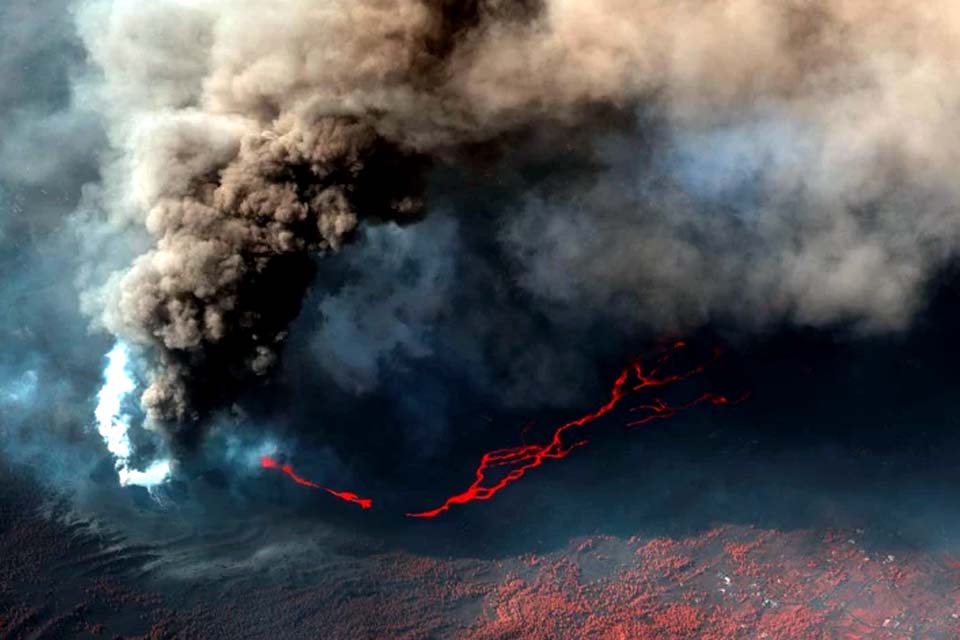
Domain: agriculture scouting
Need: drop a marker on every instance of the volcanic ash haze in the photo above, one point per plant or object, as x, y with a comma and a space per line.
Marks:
788, 161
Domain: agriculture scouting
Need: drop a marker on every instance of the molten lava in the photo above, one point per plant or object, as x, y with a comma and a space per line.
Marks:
269, 463
633, 379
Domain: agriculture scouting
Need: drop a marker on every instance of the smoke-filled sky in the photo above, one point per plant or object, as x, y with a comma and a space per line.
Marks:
295, 215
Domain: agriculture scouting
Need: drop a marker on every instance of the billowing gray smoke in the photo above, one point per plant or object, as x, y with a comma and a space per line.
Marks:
785, 161
250, 140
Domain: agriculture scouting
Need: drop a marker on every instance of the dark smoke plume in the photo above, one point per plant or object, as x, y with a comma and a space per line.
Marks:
766, 174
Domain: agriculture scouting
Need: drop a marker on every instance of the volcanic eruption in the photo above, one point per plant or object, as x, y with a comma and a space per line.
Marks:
746, 166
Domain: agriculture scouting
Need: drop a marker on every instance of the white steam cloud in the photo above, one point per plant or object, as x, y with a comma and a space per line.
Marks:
114, 422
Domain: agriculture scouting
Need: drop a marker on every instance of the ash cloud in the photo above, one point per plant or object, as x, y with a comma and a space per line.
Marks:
787, 162
792, 163
49, 364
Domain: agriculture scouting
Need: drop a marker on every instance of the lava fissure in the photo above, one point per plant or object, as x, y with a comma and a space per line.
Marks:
529, 456
267, 462
660, 409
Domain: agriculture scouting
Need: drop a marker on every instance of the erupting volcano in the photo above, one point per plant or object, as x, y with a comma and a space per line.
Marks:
251, 247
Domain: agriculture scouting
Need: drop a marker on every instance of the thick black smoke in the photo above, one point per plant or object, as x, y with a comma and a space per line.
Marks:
613, 168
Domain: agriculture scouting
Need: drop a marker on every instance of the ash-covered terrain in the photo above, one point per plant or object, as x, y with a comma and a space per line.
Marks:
728, 522
290, 576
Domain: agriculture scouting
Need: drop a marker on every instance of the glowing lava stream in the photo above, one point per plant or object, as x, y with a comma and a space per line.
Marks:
269, 463
526, 457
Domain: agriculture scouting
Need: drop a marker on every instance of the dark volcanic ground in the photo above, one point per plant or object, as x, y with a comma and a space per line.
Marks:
290, 578
824, 507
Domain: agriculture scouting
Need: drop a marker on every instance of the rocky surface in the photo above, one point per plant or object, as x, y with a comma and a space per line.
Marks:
63, 577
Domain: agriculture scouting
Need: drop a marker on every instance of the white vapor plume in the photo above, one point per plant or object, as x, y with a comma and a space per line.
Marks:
113, 423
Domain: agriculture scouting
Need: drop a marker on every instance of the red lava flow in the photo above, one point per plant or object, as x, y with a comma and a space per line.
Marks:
269, 463
633, 379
